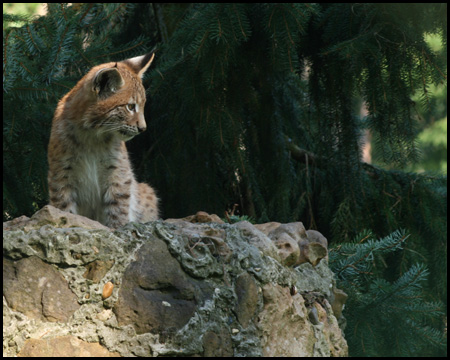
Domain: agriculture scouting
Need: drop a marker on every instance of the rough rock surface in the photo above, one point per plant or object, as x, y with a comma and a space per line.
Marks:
180, 287
35, 288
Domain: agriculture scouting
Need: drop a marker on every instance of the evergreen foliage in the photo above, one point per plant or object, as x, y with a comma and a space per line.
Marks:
256, 104
385, 318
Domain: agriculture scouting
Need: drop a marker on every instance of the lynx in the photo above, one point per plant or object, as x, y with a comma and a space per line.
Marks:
89, 170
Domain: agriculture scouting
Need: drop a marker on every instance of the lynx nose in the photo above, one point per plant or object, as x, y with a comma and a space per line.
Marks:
142, 128
141, 124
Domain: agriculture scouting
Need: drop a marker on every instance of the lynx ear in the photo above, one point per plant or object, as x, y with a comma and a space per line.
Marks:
140, 64
107, 81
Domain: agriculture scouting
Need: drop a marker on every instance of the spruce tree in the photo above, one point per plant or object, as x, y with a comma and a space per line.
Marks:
385, 318
255, 105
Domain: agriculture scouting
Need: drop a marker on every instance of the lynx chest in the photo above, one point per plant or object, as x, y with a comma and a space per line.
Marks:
94, 174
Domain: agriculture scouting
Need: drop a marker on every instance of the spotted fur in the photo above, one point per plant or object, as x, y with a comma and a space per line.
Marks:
89, 170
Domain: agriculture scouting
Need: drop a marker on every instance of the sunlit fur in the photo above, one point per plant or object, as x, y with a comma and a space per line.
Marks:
89, 170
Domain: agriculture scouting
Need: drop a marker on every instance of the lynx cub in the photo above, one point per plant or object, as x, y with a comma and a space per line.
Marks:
89, 171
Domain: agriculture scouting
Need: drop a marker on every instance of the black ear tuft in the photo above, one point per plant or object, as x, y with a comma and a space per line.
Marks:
106, 82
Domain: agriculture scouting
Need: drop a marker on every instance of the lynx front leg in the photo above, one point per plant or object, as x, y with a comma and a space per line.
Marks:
117, 204
62, 194
61, 181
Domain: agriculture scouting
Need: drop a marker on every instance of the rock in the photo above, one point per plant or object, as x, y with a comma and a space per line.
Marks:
64, 346
338, 299
181, 288
37, 290
285, 315
52, 216
201, 217
247, 298
97, 269
107, 290
217, 344
311, 252
160, 298
288, 248
258, 238
295, 244
267, 228
313, 248
286, 238
317, 237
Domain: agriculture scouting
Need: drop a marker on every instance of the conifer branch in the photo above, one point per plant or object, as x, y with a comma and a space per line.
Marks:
299, 154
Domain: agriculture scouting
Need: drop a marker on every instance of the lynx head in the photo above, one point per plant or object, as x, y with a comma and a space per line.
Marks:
114, 98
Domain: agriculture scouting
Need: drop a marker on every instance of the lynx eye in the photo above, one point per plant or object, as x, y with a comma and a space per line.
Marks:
131, 107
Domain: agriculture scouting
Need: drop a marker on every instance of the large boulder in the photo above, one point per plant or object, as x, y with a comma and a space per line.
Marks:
181, 287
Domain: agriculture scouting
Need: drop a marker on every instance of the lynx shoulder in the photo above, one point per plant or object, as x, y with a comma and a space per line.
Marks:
89, 170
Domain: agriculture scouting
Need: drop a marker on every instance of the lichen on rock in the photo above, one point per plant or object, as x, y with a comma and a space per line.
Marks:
192, 286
